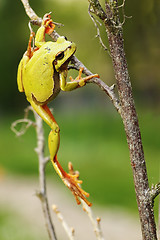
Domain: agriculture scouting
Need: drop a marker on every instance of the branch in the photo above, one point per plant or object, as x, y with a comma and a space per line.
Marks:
95, 223
98, 31
29, 11
42, 179
128, 114
103, 86
42, 163
26, 124
69, 231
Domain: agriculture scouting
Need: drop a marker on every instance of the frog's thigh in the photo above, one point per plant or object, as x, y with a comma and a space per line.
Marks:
20, 73
54, 138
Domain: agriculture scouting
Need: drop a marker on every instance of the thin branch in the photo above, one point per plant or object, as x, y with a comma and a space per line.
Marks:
95, 222
69, 231
42, 194
26, 124
29, 11
42, 163
123, 12
103, 86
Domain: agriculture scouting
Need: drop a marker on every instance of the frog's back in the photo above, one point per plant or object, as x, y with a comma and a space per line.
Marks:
38, 78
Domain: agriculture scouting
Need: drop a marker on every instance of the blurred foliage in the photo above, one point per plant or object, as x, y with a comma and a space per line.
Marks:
141, 33
13, 226
94, 141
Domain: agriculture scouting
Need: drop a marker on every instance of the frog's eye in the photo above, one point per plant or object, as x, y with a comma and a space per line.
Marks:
60, 56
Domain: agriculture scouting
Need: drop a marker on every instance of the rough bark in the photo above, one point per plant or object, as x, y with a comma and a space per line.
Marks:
130, 121
128, 115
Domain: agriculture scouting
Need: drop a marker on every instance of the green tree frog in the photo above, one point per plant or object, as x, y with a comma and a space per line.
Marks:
42, 73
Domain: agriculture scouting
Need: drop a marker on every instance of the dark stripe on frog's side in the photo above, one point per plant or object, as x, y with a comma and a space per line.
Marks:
56, 89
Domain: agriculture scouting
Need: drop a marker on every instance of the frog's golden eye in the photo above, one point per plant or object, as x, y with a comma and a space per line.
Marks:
60, 56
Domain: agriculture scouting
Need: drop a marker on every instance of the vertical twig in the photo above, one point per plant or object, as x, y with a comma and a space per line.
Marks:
95, 222
42, 178
42, 193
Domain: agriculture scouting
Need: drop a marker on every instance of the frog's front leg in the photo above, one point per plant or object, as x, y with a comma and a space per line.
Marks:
71, 181
46, 27
75, 83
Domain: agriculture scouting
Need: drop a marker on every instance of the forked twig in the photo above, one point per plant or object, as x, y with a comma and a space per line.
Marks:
95, 21
123, 12
26, 124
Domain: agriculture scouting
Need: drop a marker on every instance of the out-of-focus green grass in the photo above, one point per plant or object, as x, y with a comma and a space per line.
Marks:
95, 143
13, 226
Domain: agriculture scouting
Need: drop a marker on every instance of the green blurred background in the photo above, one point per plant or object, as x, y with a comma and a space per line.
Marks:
92, 135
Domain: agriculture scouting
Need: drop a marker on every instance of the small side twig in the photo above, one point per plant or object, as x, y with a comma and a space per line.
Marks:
98, 30
123, 12
155, 191
95, 222
69, 231
26, 124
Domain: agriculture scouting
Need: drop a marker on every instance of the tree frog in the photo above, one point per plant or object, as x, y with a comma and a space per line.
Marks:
42, 73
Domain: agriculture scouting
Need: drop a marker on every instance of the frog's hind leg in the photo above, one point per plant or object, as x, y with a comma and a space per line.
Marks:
70, 180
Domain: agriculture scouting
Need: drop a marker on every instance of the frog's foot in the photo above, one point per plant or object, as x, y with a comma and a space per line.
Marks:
82, 81
73, 183
48, 23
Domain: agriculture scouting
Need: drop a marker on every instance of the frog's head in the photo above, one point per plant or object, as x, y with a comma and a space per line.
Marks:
65, 50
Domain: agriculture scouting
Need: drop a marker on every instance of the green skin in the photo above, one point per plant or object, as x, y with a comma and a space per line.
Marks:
41, 76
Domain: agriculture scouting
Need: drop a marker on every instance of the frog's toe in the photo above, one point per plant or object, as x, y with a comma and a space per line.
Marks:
72, 183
